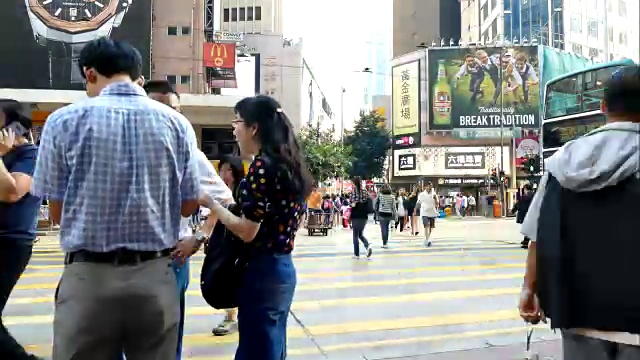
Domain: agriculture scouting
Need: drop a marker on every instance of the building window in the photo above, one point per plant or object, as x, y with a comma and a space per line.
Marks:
610, 33
242, 14
494, 29
594, 52
257, 13
592, 28
493, 4
185, 30
234, 14
485, 12
622, 8
226, 15
576, 23
576, 48
172, 79
172, 30
249, 13
185, 79
622, 39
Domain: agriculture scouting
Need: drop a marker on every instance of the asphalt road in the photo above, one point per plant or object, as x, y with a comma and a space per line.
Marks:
405, 302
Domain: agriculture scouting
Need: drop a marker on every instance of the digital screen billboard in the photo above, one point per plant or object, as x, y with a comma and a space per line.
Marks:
484, 88
43, 38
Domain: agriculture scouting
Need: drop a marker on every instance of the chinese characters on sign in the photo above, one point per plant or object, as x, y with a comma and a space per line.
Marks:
407, 162
470, 160
405, 76
405, 109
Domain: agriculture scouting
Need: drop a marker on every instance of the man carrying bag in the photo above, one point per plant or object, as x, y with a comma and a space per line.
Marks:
581, 273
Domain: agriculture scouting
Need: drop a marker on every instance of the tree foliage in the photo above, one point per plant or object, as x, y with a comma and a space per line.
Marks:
326, 157
369, 144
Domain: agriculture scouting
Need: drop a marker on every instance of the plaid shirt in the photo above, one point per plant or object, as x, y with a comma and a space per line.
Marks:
122, 164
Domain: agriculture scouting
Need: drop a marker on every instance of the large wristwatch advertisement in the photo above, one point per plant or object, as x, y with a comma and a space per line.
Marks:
64, 26
48, 56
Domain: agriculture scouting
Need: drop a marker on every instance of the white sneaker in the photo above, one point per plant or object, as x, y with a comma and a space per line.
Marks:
427, 243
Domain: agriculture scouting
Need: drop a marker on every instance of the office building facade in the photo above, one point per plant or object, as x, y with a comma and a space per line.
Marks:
419, 22
597, 29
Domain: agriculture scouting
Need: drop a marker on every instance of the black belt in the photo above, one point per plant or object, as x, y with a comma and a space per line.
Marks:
117, 257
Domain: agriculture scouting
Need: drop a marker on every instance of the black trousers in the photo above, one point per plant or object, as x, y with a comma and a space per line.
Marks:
400, 223
14, 257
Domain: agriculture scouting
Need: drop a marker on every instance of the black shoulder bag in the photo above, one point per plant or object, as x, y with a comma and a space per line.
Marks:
226, 257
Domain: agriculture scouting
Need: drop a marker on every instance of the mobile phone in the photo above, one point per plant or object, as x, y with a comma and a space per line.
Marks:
17, 128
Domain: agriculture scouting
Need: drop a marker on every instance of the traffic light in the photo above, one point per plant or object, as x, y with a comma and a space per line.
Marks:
494, 175
532, 165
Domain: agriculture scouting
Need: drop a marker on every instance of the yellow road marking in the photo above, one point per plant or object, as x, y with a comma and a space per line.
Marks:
418, 252
339, 285
44, 350
359, 327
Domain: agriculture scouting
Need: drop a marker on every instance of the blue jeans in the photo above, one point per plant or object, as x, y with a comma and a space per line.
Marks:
182, 282
263, 306
357, 226
385, 221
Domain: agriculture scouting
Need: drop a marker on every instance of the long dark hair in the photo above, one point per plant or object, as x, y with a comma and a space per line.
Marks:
357, 182
277, 140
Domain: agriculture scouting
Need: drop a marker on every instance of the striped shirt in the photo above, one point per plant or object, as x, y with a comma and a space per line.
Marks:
386, 203
121, 164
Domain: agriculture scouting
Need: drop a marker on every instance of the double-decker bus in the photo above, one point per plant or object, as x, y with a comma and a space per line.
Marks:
573, 104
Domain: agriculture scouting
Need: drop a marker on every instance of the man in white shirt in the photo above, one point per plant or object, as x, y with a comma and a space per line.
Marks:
211, 183
428, 202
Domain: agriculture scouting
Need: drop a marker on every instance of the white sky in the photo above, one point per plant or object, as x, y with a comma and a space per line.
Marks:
332, 45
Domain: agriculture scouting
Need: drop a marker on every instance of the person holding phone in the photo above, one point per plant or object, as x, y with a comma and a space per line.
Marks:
18, 212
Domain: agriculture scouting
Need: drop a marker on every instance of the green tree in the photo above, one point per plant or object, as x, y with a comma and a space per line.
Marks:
326, 157
369, 142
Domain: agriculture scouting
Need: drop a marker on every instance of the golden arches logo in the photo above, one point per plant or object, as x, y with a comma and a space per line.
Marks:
218, 53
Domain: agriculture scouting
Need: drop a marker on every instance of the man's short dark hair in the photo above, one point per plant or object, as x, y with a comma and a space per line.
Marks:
159, 87
623, 91
111, 57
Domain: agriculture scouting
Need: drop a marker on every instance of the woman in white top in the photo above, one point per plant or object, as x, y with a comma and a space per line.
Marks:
428, 203
401, 210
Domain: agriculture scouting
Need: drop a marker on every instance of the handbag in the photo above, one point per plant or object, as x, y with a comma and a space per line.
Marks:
225, 262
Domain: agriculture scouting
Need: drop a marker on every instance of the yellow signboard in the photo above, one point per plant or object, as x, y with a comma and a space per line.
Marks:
405, 116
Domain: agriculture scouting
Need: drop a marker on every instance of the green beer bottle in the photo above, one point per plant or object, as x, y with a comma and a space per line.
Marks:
442, 97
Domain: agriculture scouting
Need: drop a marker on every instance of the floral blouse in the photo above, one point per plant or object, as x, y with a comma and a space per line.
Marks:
262, 201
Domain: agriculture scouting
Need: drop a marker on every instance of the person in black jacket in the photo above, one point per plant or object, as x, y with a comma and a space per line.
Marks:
581, 272
360, 209
522, 207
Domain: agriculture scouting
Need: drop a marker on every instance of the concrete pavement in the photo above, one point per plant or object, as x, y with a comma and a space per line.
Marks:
438, 303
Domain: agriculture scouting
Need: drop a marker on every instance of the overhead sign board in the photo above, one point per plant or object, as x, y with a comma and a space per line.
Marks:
227, 36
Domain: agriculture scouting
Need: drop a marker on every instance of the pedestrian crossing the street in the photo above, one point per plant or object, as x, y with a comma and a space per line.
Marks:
460, 293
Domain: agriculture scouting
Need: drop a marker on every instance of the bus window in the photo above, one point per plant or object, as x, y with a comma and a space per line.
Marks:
563, 97
557, 133
595, 82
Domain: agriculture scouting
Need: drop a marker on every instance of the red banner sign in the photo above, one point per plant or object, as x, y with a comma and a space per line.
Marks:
219, 55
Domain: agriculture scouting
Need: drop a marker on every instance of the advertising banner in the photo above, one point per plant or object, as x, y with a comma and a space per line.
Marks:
526, 147
483, 88
43, 39
219, 55
450, 161
405, 117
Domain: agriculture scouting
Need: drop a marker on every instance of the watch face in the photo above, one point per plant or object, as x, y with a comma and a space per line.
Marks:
75, 10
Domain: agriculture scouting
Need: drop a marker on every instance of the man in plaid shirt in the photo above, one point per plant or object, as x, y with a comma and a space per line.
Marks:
119, 171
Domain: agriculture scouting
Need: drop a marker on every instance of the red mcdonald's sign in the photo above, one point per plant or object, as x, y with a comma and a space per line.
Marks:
219, 55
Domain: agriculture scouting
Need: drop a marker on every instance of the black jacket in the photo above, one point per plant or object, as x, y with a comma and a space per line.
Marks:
522, 207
